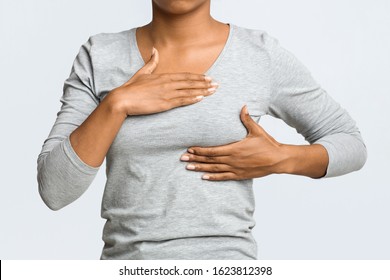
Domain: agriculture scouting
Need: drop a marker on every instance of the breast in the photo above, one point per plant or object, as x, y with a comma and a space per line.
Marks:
213, 121
150, 195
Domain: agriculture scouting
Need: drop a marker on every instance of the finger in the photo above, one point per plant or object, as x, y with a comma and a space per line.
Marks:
185, 76
220, 176
183, 101
190, 93
251, 126
207, 159
149, 67
187, 84
224, 150
208, 167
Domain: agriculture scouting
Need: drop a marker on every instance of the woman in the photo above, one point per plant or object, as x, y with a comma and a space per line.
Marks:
158, 137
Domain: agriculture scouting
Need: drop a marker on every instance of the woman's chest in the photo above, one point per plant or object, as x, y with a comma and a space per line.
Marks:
215, 120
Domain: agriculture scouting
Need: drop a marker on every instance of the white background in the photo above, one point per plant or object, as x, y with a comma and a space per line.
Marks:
345, 44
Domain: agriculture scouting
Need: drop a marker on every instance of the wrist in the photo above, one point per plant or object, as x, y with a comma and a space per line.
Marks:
289, 158
307, 160
114, 103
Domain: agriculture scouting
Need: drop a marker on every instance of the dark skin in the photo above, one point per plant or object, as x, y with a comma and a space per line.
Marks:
257, 155
177, 31
178, 28
187, 39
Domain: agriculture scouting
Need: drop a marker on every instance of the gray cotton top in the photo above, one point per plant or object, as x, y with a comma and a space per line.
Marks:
155, 208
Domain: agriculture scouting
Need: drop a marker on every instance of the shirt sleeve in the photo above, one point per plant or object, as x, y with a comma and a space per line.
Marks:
300, 102
62, 176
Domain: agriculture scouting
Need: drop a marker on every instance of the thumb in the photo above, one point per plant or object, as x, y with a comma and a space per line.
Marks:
251, 126
149, 67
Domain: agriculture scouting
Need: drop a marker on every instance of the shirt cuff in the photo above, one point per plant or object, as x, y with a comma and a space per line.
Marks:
74, 158
346, 153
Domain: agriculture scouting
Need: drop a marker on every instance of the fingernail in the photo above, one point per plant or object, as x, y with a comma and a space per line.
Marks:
214, 84
211, 90
208, 78
191, 166
246, 110
191, 151
205, 177
185, 158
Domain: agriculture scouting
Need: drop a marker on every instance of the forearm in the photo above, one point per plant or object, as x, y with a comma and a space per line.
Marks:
307, 160
92, 139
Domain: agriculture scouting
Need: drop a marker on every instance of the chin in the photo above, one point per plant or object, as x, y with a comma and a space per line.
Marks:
178, 6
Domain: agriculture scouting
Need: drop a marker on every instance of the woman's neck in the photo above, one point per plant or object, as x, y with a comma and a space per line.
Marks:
181, 29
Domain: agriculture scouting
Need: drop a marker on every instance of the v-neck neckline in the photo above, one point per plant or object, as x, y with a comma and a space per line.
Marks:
134, 45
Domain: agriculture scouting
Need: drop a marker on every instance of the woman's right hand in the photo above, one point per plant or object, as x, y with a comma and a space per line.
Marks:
147, 93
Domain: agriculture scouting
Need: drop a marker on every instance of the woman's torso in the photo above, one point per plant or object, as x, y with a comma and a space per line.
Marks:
156, 208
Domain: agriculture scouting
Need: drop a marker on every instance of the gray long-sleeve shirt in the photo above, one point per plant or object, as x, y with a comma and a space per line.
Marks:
155, 208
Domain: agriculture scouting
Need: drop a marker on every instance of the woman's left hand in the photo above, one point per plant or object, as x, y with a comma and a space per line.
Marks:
257, 155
